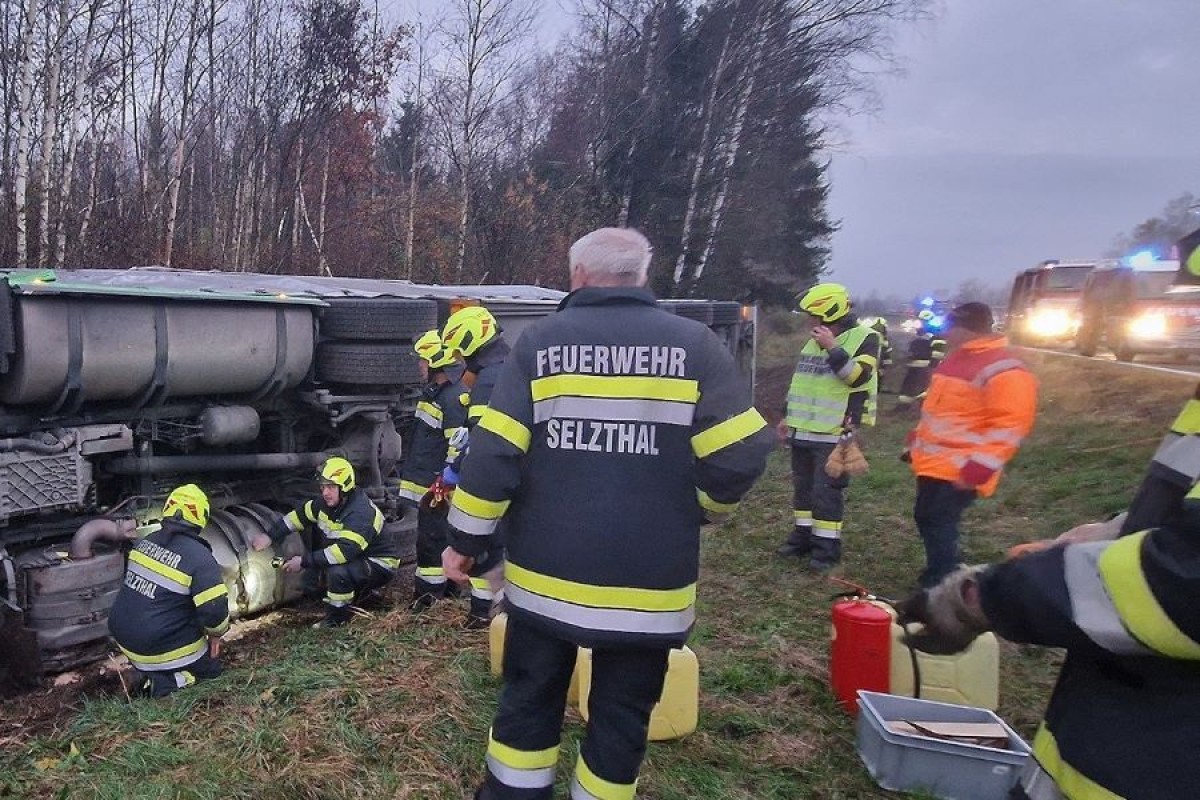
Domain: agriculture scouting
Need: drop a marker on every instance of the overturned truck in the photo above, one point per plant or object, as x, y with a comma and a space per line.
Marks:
117, 385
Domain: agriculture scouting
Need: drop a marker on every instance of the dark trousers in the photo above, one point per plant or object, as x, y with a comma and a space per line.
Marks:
937, 512
347, 582
431, 541
163, 683
814, 491
626, 683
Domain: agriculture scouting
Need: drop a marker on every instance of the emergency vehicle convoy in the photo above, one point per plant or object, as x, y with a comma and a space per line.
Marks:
118, 385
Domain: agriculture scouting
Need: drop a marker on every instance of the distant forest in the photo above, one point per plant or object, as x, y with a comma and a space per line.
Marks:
313, 136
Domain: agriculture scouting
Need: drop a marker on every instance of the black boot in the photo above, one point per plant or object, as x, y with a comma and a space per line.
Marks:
799, 543
826, 554
335, 617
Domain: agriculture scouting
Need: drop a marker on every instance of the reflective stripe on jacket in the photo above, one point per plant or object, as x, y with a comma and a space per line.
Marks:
1173, 471
349, 531
614, 431
980, 405
829, 388
173, 598
439, 414
1123, 717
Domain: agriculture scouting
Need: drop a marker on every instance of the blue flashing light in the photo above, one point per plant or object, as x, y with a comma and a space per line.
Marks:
937, 323
927, 301
1143, 259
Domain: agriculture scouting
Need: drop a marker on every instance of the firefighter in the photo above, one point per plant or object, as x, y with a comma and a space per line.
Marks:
354, 557
173, 609
473, 333
615, 430
981, 405
880, 326
1122, 718
926, 350
439, 415
832, 391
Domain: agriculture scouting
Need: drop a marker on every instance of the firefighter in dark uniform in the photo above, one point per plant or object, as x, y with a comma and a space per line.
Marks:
886, 361
173, 608
439, 415
473, 334
925, 352
1123, 598
615, 431
833, 390
354, 557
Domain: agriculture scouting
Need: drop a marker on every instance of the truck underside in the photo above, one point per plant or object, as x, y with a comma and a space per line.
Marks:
118, 385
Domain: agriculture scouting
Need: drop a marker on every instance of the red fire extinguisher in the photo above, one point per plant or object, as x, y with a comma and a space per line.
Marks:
861, 651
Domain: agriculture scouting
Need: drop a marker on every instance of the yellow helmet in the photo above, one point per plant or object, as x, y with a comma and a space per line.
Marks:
339, 472
925, 315
469, 329
430, 348
828, 301
188, 503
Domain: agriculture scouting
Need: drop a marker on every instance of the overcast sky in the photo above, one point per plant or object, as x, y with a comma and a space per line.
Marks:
1023, 130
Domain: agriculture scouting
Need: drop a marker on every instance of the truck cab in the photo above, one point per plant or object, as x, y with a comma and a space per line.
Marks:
1043, 307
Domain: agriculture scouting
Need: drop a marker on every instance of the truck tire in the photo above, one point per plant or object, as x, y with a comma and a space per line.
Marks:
367, 364
1124, 352
693, 309
378, 318
726, 312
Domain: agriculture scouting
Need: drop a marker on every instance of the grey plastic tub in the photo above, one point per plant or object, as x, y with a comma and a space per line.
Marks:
943, 769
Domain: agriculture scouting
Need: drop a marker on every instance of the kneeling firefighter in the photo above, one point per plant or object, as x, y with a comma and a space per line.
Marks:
353, 556
173, 607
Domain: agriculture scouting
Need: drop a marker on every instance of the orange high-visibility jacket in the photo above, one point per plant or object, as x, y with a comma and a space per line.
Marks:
981, 403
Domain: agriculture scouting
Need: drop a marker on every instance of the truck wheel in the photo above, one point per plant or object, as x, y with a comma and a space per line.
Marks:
1124, 352
726, 312
690, 309
367, 364
377, 318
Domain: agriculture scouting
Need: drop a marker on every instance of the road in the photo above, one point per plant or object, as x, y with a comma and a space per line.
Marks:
1168, 364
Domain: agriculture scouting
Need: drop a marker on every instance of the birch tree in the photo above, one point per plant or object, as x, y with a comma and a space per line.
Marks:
484, 42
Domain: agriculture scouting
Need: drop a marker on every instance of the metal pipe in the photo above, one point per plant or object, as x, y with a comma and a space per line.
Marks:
160, 465
110, 530
36, 446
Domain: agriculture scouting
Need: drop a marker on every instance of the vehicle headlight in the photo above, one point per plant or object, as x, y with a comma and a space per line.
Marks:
1050, 322
1148, 326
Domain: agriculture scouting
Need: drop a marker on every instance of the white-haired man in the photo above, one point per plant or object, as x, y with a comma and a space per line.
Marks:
615, 430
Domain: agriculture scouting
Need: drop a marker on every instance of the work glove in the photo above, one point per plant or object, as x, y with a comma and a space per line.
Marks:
949, 614
458, 444
437, 499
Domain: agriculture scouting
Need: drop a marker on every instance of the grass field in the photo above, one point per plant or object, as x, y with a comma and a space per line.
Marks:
398, 706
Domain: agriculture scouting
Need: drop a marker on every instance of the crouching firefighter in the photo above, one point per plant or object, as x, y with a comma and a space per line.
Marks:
474, 334
440, 413
1122, 720
173, 607
353, 557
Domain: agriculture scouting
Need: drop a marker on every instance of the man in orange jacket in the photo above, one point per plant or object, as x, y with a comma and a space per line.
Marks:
981, 403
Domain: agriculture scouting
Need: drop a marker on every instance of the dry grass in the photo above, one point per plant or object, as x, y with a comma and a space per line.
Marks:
398, 706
